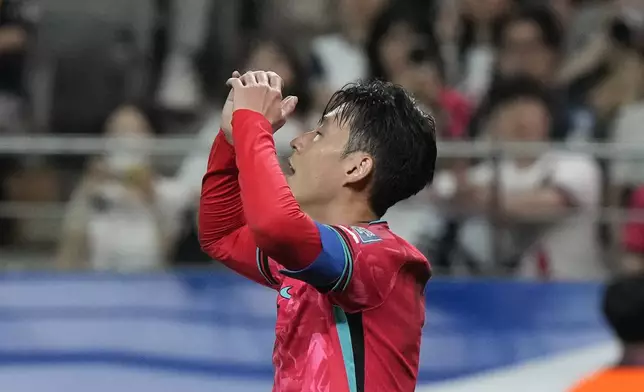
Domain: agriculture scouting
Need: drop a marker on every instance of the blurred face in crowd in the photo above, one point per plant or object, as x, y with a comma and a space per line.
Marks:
128, 121
397, 46
525, 120
268, 56
485, 10
524, 51
423, 80
129, 128
359, 12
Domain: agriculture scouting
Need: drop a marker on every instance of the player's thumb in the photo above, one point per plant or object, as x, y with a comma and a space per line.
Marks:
288, 106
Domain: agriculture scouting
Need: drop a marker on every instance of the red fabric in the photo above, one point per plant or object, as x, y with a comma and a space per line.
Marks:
252, 203
382, 305
459, 111
633, 234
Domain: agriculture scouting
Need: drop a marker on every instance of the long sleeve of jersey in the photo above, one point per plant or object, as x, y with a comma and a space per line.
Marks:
279, 226
250, 221
223, 233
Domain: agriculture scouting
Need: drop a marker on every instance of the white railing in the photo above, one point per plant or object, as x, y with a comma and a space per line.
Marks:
182, 146
51, 145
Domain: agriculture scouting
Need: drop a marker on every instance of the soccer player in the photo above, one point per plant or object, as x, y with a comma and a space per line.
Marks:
351, 301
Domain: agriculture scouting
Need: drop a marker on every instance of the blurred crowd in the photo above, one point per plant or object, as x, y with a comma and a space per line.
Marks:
564, 71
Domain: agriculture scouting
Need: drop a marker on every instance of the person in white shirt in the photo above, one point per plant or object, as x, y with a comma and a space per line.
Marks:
547, 203
122, 216
341, 55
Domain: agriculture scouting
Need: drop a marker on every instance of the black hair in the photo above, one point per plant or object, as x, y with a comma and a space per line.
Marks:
544, 18
385, 122
392, 15
513, 88
623, 307
467, 36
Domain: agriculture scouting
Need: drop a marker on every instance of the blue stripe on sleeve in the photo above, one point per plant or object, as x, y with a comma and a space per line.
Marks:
331, 263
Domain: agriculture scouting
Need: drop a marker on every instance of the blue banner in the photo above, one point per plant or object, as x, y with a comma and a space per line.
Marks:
212, 331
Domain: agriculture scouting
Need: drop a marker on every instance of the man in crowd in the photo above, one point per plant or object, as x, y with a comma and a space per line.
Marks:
546, 200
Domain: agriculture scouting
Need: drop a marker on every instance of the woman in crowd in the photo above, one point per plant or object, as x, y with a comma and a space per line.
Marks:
122, 216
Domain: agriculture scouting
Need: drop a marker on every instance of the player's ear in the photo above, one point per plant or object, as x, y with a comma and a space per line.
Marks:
358, 166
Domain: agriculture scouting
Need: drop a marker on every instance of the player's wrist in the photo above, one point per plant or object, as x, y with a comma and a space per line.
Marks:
224, 137
243, 117
247, 114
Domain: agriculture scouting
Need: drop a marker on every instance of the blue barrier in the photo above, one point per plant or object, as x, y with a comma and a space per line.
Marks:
213, 331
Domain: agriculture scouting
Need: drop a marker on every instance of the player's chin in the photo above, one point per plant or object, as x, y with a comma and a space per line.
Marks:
290, 179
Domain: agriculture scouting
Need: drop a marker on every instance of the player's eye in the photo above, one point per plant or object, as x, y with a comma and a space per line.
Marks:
317, 137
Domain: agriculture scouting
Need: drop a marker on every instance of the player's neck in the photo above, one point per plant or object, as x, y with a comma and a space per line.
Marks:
340, 213
633, 355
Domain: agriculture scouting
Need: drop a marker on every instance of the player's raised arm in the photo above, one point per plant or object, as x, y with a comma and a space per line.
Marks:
278, 225
223, 233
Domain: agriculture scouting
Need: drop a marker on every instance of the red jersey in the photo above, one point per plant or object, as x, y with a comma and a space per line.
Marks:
350, 303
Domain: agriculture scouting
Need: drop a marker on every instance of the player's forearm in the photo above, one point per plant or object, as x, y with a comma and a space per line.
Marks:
279, 226
545, 204
220, 206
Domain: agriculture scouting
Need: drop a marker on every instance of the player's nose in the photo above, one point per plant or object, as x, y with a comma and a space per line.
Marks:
300, 141
296, 144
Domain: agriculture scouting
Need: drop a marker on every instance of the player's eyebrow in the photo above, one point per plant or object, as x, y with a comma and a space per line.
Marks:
330, 116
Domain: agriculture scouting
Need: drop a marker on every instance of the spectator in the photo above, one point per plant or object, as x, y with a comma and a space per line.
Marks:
627, 173
559, 187
121, 216
530, 45
589, 46
623, 307
17, 17
606, 73
622, 80
396, 34
475, 33
16, 20
424, 77
634, 235
403, 49
180, 87
580, 19
341, 56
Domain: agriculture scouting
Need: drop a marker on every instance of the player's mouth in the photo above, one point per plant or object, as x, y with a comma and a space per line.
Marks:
291, 171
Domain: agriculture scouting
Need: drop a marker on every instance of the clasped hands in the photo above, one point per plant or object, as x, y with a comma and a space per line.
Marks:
261, 92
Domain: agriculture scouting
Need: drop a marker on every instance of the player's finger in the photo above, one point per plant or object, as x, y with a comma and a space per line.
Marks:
235, 75
275, 80
261, 78
235, 83
288, 106
248, 78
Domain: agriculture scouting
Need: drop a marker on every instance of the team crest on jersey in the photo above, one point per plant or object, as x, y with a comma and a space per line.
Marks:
366, 236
